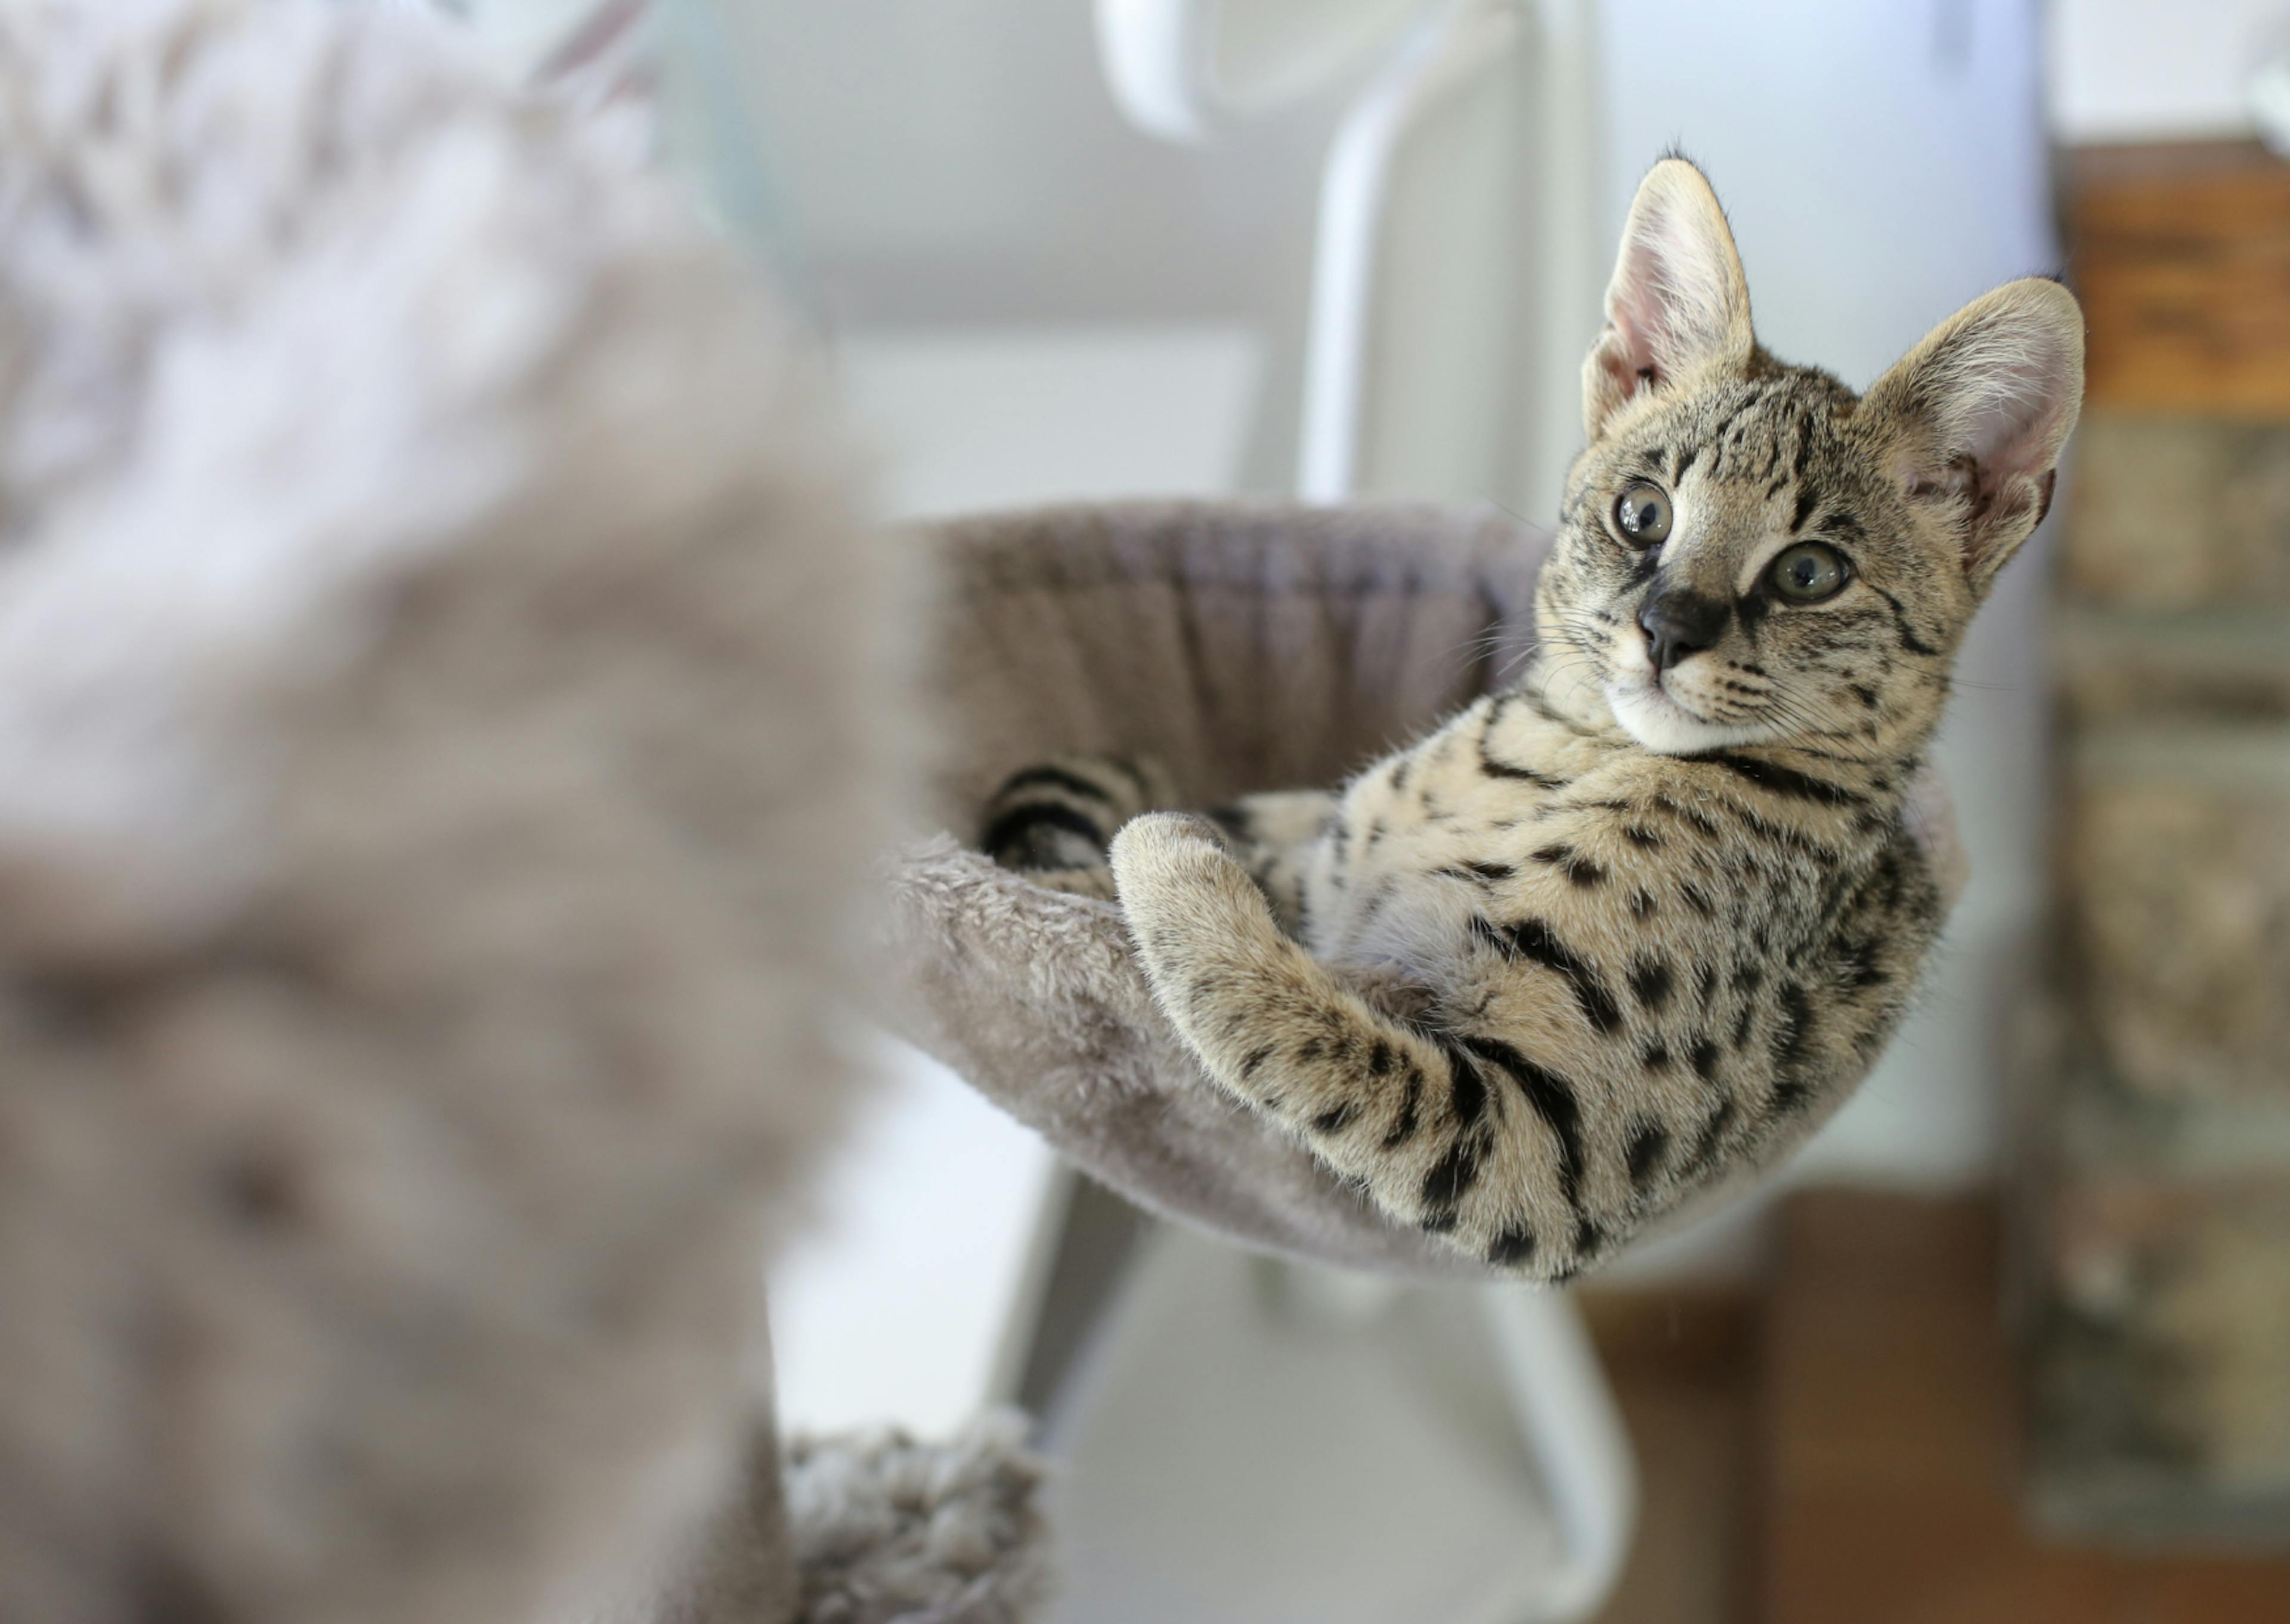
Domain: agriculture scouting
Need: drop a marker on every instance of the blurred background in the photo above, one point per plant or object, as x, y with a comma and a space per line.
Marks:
2012, 1340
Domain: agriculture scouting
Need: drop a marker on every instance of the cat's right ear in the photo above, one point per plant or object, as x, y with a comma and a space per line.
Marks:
1677, 303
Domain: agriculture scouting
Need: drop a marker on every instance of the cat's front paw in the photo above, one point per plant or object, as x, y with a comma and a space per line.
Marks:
1178, 882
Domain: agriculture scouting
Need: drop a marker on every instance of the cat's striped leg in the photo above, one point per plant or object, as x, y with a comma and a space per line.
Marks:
1457, 1134
1054, 822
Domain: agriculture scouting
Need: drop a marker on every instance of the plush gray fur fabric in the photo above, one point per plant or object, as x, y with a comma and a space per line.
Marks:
1243, 648
887, 1530
442, 674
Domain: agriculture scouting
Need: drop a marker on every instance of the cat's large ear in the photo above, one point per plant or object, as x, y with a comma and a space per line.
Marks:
1982, 407
1677, 303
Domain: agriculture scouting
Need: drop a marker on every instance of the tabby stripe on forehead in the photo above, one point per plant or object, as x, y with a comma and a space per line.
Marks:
1531, 939
1552, 1098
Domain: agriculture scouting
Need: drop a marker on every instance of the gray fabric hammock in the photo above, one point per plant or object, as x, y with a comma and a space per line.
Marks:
1242, 647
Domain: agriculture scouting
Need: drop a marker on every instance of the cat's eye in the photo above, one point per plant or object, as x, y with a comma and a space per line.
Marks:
1808, 573
1643, 512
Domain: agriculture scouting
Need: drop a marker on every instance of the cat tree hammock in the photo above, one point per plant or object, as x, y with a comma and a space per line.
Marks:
1243, 648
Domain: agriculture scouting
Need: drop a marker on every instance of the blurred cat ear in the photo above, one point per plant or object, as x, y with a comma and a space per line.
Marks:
1983, 406
1677, 302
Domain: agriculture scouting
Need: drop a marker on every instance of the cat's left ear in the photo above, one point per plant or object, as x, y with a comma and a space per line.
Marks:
1982, 407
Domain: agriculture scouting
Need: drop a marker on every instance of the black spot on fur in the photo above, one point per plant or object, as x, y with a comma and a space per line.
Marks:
1793, 1030
1651, 981
1857, 966
1704, 1056
1580, 870
1253, 1061
1379, 1059
1405, 1125
1649, 1140
1706, 1141
1644, 838
1451, 1177
1336, 1118
1512, 1247
1655, 1057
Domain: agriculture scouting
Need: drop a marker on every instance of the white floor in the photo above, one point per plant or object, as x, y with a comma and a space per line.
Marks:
1228, 1456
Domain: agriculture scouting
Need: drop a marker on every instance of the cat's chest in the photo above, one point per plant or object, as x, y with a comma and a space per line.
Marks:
1421, 833
1479, 782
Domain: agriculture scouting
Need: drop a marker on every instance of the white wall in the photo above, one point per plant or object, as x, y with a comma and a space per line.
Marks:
2133, 70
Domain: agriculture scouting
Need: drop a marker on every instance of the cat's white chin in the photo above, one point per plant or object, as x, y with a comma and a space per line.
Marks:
1666, 727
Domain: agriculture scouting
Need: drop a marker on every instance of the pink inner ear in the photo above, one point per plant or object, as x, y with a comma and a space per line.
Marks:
1627, 356
2010, 432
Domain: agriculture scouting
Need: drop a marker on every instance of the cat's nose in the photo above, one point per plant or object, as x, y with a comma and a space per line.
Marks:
1677, 623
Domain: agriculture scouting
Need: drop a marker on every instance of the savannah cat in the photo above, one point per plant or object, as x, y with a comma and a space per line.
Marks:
1634, 925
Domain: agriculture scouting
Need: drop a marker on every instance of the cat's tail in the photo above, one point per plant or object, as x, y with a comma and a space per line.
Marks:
1055, 820
1063, 813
